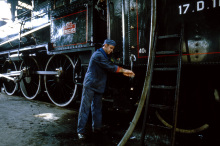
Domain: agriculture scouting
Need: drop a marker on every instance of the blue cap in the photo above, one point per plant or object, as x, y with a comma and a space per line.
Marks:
110, 42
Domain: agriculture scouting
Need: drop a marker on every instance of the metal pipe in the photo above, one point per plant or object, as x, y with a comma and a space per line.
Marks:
22, 23
108, 20
24, 34
123, 30
92, 20
132, 59
87, 21
147, 78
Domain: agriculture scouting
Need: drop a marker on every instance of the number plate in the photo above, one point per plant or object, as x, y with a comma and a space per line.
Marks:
198, 6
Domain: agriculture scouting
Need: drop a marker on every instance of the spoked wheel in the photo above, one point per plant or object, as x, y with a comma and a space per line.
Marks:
9, 86
60, 88
30, 82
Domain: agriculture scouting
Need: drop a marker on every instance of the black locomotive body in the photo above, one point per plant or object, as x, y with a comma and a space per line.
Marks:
47, 44
65, 31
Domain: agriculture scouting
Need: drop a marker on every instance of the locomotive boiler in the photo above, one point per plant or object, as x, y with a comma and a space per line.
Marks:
47, 44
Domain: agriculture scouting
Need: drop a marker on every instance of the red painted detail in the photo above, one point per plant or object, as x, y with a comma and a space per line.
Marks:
70, 15
69, 28
137, 28
87, 26
188, 54
182, 54
138, 46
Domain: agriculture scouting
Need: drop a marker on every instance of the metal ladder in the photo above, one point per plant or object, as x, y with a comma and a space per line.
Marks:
164, 68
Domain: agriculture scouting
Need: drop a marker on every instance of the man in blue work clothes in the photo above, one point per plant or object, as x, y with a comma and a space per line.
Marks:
94, 86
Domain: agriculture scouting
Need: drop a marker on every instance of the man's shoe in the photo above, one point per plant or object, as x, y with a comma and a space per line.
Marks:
81, 136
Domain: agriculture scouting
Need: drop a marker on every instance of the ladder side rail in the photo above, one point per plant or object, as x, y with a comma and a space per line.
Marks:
176, 102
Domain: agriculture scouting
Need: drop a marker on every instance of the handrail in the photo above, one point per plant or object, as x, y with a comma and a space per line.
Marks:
147, 78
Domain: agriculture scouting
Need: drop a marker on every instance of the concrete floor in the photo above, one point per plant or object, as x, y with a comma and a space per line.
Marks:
38, 123
25, 122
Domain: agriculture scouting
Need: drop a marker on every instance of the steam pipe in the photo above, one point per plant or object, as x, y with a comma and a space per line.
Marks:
148, 77
108, 20
123, 29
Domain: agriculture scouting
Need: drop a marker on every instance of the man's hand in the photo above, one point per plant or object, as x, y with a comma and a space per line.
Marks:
128, 73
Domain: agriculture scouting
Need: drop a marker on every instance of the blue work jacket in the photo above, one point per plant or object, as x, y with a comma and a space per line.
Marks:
96, 75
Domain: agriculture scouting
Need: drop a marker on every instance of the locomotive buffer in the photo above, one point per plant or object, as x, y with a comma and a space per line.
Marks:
161, 72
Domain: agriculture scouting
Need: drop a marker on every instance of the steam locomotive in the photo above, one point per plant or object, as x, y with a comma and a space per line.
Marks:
47, 44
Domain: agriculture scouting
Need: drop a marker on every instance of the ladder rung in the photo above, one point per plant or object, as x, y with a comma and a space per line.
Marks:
166, 52
169, 36
165, 69
159, 126
163, 87
162, 107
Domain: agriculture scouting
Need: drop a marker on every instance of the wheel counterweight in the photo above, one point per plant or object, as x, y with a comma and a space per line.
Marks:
60, 88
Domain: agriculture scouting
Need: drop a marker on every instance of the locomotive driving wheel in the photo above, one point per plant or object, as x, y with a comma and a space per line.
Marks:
60, 88
9, 86
30, 83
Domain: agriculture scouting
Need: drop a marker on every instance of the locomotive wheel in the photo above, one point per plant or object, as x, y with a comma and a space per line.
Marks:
30, 83
60, 88
9, 86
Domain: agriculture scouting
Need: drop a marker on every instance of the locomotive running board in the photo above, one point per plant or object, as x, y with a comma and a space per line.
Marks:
26, 33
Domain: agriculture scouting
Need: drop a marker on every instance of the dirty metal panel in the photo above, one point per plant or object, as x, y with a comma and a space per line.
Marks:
129, 30
70, 31
139, 29
201, 29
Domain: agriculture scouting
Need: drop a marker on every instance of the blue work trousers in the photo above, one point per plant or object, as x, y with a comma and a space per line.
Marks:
89, 99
